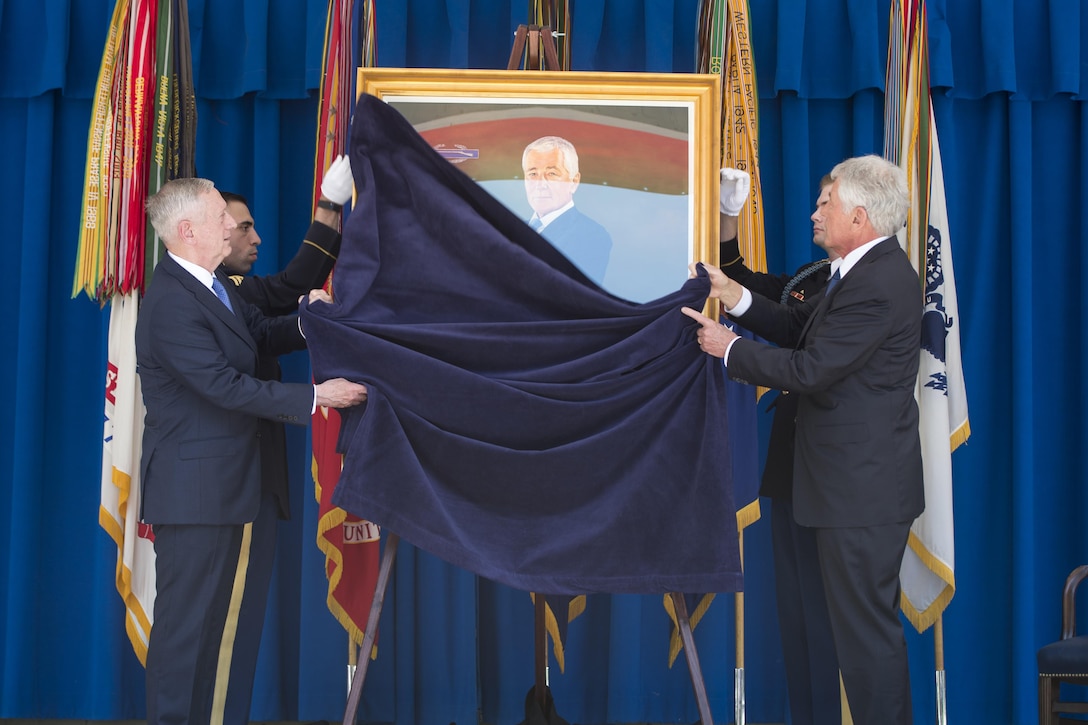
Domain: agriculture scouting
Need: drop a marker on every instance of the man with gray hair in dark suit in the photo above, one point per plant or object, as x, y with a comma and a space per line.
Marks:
858, 461
197, 344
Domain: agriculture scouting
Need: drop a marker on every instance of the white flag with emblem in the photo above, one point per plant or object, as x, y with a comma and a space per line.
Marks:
120, 501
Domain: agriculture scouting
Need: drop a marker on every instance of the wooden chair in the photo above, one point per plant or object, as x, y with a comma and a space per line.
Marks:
1063, 661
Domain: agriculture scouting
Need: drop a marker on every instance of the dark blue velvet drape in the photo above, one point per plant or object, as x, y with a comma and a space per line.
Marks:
1009, 87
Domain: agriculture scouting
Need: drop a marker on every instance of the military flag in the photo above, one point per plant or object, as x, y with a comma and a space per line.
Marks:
120, 495
927, 575
725, 48
134, 129
928, 571
350, 544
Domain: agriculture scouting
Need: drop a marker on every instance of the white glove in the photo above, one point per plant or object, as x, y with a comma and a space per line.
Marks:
734, 191
338, 182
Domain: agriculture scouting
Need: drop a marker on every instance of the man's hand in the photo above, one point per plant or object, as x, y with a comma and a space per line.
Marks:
340, 393
714, 339
721, 287
734, 190
316, 295
337, 184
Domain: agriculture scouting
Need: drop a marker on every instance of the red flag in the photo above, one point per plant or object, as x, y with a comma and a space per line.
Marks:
350, 544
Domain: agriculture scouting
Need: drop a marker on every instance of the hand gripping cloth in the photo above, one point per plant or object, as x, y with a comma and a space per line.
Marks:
521, 423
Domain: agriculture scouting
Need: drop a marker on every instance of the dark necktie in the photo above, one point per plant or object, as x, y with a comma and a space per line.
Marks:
221, 293
832, 282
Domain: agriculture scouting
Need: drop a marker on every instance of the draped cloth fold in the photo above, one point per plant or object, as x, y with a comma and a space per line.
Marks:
522, 423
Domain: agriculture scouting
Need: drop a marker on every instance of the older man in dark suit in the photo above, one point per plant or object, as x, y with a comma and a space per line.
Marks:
197, 343
858, 463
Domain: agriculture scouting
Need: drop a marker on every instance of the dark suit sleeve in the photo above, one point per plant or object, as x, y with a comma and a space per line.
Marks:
760, 283
777, 322
277, 294
845, 333
204, 357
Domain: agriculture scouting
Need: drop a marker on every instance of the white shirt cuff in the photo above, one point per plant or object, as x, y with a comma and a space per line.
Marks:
743, 305
725, 357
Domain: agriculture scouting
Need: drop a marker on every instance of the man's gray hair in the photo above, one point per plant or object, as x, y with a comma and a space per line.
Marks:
879, 186
176, 200
547, 143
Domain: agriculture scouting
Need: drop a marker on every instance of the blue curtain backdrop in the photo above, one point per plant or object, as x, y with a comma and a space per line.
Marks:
1009, 81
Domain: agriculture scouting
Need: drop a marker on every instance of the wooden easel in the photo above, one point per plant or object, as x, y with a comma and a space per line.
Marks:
385, 569
538, 40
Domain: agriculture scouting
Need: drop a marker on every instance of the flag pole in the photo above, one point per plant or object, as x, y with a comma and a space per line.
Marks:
353, 660
738, 672
350, 544
938, 656
726, 28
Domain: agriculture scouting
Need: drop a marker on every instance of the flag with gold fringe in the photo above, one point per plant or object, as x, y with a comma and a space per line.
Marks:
349, 543
910, 140
725, 48
132, 148
559, 611
119, 510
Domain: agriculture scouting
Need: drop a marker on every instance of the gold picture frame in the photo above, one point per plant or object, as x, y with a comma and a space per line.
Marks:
648, 144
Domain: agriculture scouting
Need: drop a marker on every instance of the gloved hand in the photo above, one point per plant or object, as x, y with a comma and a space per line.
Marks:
734, 192
338, 182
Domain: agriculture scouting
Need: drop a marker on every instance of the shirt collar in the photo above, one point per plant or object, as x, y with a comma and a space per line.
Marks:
550, 216
847, 263
196, 270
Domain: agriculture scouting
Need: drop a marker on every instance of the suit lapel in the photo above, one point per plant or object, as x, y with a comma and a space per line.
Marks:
207, 298
878, 251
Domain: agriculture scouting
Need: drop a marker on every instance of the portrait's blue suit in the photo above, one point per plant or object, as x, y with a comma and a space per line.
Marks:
857, 474
582, 240
200, 468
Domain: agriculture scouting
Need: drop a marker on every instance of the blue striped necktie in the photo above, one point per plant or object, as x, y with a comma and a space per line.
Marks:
535, 223
832, 282
221, 293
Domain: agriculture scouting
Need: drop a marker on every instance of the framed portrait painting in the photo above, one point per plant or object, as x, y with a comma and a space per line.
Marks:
645, 149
